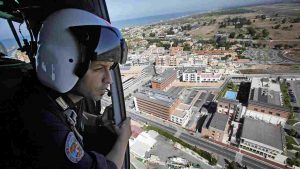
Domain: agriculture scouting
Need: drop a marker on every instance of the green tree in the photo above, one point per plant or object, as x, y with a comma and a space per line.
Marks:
232, 35
276, 26
232, 165
265, 33
251, 31
152, 34
290, 162
284, 21
293, 132
289, 146
240, 36
186, 47
170, 32
213, 161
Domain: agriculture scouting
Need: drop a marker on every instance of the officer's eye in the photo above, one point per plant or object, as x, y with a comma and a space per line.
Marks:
99, 68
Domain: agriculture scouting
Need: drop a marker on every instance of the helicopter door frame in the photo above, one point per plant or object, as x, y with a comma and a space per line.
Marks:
117, 90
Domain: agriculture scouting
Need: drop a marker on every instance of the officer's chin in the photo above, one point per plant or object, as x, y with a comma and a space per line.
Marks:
98, 97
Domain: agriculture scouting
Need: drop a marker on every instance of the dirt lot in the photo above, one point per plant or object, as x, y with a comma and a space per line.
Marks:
294, 54
271, 69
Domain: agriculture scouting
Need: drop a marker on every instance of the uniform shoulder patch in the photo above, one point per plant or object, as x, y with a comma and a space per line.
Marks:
73, 149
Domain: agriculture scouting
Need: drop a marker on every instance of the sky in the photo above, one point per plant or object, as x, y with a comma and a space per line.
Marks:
118, 10
128, 9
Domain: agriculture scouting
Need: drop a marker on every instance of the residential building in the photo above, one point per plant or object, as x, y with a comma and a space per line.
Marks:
197, 75
176, 50
182, 114
209, 77
162, 60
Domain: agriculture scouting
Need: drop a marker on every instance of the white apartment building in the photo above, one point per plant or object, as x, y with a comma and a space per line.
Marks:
181, 115
198, 76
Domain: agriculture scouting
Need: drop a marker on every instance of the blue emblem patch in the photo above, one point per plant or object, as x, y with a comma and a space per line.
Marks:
73, 149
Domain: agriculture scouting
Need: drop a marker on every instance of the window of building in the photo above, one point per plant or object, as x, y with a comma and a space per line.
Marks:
262, 111
270, 112
220, 105
226, 107
277, 114
255, 109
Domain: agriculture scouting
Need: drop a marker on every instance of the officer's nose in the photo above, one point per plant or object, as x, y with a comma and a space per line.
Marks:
107, 77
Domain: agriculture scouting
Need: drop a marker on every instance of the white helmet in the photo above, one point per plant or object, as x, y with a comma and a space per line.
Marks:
68, 40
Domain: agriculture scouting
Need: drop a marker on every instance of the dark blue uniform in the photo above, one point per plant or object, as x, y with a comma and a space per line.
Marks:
53, 144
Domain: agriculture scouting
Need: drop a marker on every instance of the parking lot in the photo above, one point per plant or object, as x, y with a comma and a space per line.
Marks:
265, 56
164, 148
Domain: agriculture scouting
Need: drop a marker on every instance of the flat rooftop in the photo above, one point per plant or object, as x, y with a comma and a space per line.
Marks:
179, 113
157, 96
266, 83
165, 75
265, 96
267, 134
174, 91
217, 121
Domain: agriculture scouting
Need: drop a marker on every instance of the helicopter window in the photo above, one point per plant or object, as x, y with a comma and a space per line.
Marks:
8, 42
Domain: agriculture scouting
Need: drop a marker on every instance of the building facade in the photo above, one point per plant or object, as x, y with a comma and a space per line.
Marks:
228, 107
164, 81
269, 113
182, 114
156, 103
216, 127
198, 76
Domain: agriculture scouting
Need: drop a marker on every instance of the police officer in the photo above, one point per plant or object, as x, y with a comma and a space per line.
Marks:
76, 50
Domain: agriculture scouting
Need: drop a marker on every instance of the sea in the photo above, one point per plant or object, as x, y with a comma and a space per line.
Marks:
151, 19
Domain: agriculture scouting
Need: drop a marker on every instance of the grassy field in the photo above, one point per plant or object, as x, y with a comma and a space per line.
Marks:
292, 121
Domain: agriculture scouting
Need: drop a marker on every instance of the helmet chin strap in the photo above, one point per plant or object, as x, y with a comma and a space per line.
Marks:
74, 91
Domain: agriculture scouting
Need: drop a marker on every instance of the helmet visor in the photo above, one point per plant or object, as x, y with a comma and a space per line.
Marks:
101, 43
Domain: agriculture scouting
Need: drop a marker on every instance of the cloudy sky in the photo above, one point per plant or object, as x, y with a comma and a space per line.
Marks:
128, 9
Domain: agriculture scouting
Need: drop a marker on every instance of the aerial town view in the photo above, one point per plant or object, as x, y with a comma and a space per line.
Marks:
213, 89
